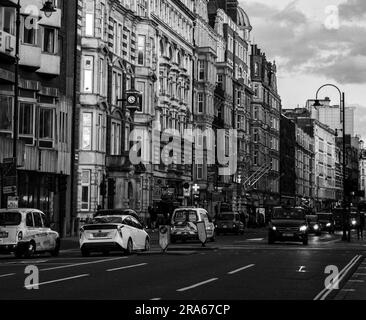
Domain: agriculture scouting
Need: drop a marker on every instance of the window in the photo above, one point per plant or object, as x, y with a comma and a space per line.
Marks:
201, 70
220, 80
9, 20
255, 113
102, 20
46, 123
29, 220
49, 40
6, 110
29, 34
199, 171
141, 50
85, 190
101, 76
200, 102
116, 138
100, 133
26, 119
89, 18
87, 131
255, 158
88, 73
37, 220
238, 100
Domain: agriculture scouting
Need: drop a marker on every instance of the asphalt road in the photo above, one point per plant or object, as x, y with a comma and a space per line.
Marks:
234, 267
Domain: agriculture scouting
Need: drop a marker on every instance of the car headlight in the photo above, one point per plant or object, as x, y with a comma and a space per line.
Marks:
353, 222
234, 225
303, 228
329, 224
316, 227
274, 228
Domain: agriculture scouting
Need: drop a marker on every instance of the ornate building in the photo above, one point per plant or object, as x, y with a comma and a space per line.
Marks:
266, 112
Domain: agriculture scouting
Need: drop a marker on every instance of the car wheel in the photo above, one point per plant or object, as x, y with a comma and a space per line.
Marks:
217, 233
55, 252
147, 244
30, 250
305, 241
85, 252
213, 238
129, 248
173, 240
105, 253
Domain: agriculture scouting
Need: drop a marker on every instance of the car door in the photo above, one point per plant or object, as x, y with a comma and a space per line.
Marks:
40, 237
30, 231
49, 239
139, 233
130, 230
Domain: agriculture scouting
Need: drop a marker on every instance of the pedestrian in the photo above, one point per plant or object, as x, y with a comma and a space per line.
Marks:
361, 225
153, 217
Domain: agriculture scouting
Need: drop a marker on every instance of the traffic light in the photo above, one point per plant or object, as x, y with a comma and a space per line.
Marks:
111, 186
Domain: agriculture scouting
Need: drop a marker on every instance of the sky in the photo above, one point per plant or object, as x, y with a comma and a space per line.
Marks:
314, 42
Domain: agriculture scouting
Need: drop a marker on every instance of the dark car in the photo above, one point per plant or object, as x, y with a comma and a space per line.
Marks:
313, 225
229, 222
326, 221
288, 224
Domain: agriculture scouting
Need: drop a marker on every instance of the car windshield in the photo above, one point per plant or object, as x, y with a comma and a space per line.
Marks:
289, 213
107, 220
312, 218
10, 218
185, 216
225, 216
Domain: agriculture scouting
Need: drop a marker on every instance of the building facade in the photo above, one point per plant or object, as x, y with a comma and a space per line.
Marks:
265, 131
46, 97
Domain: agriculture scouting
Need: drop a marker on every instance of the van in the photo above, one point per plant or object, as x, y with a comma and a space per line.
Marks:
184, 224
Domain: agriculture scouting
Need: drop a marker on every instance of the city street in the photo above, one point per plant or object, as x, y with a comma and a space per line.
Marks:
233, 267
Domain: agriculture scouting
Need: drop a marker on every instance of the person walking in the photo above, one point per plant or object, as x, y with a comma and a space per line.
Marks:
361, 225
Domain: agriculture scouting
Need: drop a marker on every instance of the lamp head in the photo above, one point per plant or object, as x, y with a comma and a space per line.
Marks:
48, 8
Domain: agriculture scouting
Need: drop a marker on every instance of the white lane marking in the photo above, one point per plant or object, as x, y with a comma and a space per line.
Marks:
240, 269
57, 280
355, 280
301, 269
327, 290
197, 284
127, 267
155, 299
82, 264
359, 274
7, 275
348, 290
255, 239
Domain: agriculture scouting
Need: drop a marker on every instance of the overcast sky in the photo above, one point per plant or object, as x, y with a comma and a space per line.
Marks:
311, 48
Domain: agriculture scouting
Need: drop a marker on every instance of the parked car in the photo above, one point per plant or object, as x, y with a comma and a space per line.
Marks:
26, 232
229, 222
288, 224
326, 221
184, 224
113, 233
313, 225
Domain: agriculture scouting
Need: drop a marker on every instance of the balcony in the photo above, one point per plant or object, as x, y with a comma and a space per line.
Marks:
7, 45
30, 56
50, 64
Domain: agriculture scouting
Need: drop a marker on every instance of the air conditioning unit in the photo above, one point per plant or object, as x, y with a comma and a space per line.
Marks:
8, 46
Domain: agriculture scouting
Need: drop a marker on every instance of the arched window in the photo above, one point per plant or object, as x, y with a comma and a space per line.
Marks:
161, 47
170, 52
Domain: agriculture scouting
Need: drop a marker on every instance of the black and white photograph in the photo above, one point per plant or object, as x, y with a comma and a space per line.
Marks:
182, 156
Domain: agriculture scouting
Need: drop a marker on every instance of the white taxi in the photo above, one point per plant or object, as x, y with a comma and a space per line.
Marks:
184, 224
113, 233
25, 232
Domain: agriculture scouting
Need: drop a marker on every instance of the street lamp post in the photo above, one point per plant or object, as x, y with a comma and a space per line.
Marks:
343, 120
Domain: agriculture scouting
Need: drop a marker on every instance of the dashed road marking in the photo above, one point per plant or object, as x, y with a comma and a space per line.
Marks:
127, 267
82, 264
7, 275
241, 269
57, 280
355, 280
197, 284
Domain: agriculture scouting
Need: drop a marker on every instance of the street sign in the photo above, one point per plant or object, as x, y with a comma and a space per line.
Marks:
9, 190
164, 237
186, 190
201, 229
13, 202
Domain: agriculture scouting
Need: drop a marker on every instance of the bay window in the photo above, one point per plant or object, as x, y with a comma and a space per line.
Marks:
85, 190
87, 120
6, 111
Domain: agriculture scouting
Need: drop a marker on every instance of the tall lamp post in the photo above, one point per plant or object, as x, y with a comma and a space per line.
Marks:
47, 9
343, 120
